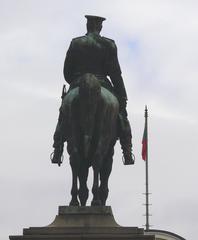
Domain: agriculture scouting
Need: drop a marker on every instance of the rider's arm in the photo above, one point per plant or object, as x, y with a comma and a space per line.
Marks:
68, 65
114, 71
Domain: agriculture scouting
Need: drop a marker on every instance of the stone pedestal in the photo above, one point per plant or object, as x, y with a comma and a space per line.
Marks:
76, 223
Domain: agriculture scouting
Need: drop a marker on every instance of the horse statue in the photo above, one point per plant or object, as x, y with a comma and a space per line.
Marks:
91, 113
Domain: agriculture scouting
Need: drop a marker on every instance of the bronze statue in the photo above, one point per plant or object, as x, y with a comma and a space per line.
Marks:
93, 113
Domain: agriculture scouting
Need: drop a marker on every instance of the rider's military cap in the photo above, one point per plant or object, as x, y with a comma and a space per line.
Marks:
95, 18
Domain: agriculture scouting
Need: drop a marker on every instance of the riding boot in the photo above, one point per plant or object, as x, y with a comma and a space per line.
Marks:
125, 134
56, 156
126, 146
126, 140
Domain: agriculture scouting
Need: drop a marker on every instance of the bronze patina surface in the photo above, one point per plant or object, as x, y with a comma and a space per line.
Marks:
93, 113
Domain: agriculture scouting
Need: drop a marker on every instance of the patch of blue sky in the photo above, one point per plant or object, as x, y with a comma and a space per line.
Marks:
134, 48
149, 76
146, 73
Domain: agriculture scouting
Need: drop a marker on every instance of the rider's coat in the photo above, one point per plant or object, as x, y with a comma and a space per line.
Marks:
95, 54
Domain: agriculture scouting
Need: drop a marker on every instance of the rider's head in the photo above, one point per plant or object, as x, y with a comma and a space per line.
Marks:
94, 23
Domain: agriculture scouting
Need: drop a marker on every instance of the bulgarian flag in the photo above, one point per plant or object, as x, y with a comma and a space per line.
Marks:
145, 139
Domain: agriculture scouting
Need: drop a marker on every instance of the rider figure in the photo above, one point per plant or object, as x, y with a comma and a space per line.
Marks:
95, 54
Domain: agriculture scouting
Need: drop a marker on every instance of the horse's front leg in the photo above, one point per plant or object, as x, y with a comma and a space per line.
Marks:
95, 189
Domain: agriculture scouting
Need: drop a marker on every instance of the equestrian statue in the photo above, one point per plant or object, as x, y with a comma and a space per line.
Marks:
93, 113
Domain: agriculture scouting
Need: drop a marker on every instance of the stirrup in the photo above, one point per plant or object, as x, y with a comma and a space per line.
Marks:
131, 162
59, 162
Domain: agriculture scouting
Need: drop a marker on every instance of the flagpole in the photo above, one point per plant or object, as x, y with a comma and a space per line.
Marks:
147, 180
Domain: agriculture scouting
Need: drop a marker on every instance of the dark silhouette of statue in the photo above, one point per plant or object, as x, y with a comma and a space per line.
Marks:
93, 113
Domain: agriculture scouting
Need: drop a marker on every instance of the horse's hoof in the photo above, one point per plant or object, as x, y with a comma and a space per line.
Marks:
83, 196
83, 203
74, 203
96, 203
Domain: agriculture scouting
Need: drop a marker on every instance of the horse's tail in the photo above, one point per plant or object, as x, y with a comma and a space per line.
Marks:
89, 94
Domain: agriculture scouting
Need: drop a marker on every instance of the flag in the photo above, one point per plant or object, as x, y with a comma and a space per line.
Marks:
145, 139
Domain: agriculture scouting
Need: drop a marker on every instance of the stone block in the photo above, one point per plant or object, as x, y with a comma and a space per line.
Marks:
77, 223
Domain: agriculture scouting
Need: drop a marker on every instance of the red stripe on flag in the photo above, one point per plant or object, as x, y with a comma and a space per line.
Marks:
144, 142
144, 149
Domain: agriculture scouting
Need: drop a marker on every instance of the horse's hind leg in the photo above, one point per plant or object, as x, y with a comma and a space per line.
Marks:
75, 163
74, 190
104, 177
95, 189
83, 190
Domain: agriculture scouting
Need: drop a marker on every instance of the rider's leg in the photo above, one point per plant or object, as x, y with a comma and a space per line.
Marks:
125, 137
58, 141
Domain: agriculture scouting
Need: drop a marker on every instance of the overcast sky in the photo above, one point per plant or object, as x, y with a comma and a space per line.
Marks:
158, 54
